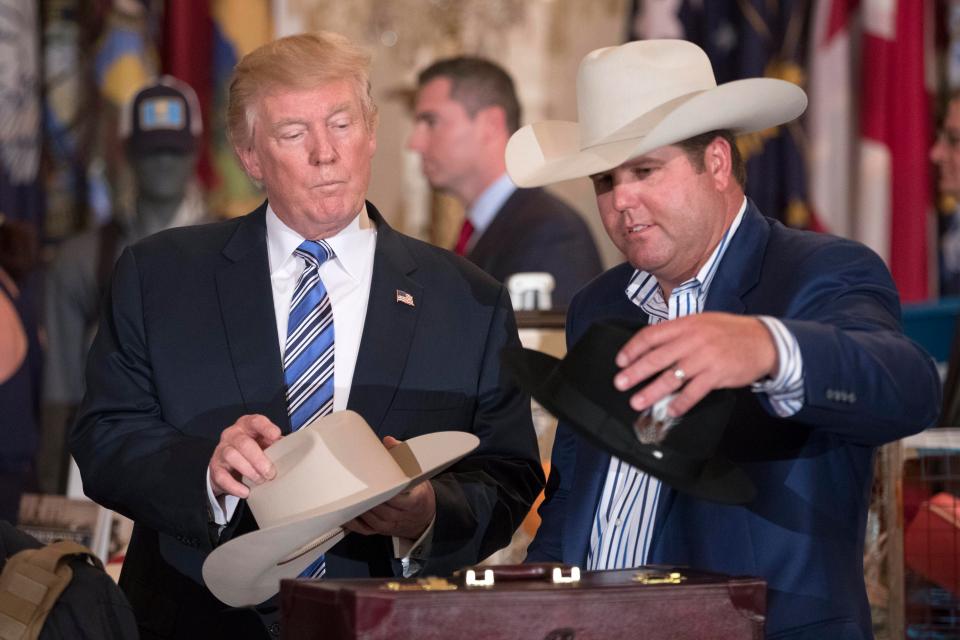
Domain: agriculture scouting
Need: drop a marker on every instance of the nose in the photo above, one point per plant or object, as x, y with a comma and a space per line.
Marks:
624, 197
936, 151
322, 150
415, 141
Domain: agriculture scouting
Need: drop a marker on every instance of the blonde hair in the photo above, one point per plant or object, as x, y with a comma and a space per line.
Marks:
302, 61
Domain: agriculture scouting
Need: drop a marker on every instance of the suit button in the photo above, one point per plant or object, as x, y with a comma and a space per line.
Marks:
274, 629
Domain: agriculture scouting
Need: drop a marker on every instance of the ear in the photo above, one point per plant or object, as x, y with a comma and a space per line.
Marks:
250, 160
493, 121
718, 161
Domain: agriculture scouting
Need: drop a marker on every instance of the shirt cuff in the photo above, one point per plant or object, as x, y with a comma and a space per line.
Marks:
222, 508
785, 389
412, 552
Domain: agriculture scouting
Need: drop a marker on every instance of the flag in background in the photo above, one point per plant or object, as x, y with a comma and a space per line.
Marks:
240, 26
863, 172
121, 59
748, 38
831, 115
124, 60
894, 201
187, 38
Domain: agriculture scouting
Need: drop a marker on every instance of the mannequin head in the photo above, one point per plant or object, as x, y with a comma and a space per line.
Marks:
161, 128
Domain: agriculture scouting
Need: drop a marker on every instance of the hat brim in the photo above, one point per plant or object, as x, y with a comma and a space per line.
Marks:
550, 151
247, 570
716, 479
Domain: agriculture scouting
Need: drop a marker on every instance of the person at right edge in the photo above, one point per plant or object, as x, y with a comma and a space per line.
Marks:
805, 326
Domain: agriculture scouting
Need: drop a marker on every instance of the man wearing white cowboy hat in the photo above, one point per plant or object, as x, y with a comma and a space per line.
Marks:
805, 327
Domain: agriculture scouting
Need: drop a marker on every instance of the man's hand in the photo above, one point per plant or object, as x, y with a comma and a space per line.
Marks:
696, 354
406, 515
240, 455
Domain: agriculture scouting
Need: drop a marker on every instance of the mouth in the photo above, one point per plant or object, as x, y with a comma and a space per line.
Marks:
638, 229
329, 185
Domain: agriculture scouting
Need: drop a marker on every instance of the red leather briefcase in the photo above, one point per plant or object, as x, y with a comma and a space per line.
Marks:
528, 601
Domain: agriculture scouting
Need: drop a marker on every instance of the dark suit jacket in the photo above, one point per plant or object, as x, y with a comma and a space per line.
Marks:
535, 231
188, 343
865, 384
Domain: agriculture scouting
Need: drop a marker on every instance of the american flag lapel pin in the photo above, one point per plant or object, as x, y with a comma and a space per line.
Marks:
405, 298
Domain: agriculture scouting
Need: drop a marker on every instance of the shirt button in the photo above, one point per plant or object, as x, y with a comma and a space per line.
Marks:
617, 522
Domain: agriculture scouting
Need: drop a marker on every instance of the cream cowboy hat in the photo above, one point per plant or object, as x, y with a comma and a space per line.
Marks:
640, 96
328, 473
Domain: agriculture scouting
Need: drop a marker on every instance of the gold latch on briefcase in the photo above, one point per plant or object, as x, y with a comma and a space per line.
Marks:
422, 584
658, 577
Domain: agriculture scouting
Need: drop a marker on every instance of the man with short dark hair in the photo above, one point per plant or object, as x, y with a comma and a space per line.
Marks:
466, 108
804, 327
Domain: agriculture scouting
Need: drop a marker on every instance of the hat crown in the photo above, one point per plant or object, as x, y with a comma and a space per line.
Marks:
341, 450
618, 85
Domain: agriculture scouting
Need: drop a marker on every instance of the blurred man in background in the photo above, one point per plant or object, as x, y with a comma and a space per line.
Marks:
466, 109
945, 155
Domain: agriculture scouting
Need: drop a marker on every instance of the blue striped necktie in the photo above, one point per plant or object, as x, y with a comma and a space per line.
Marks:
308, 355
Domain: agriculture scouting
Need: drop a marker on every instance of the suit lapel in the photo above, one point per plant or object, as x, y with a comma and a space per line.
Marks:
389, 327
590, 472
492, 241
592, 464
739, 269
246, 304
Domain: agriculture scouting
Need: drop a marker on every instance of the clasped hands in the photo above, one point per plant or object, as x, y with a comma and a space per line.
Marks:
239, 454
694, 355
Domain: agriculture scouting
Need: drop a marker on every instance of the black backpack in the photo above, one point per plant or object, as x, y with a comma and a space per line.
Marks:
58, 591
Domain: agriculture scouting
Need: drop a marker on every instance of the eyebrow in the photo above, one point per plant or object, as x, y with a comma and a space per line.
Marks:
336, 110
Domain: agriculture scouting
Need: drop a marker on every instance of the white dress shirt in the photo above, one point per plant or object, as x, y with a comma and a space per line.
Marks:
347, 280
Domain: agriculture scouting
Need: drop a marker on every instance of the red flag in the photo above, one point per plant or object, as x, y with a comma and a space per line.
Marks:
187, 49
830, 117
895, 202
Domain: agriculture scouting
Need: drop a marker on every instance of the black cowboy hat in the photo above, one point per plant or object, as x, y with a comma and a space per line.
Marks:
579, 390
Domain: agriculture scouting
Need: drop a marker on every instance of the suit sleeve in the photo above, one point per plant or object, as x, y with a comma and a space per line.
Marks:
124, 449
863, 378
484, 498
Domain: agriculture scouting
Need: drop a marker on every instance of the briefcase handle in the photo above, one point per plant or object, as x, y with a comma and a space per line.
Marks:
487, 576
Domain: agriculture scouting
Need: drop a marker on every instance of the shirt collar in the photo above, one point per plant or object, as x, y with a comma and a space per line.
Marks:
484, 209
643, 285
347, 244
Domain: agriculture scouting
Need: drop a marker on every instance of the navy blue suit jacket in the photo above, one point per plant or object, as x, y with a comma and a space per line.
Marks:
865, 384
536, 231
188, 343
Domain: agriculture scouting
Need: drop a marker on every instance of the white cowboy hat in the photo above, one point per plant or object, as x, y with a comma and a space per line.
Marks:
328, 473
640, 96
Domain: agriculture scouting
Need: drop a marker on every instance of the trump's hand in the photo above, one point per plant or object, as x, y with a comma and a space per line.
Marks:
696, 354
240, 455
406, 515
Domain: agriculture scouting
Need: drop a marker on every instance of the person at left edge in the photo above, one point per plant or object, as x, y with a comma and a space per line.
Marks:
185, 381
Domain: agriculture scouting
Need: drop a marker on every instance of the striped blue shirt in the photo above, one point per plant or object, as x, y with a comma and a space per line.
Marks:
623, 523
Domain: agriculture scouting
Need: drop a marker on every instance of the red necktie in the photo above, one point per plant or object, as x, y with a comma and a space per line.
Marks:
465, 232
